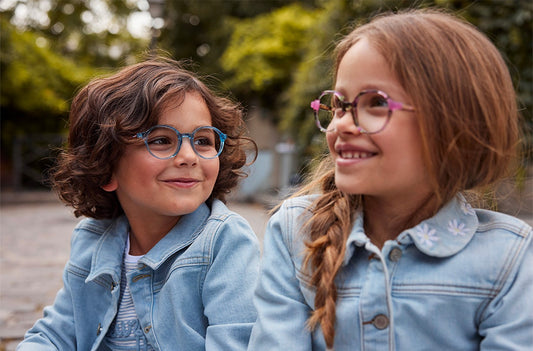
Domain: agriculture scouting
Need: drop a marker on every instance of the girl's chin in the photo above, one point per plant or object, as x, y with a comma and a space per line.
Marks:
346, 186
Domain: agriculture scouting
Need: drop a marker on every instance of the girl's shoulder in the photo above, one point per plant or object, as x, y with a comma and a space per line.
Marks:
501, 222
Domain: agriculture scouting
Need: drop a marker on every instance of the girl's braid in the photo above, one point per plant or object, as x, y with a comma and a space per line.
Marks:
329, 227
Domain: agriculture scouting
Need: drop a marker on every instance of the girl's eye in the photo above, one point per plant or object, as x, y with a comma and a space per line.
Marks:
377, 101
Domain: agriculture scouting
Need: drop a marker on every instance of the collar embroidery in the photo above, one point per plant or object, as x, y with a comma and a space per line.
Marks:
442, 235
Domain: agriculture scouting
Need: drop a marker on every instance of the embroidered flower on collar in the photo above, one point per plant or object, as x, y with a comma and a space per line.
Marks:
456, 228
467, 209
426, 235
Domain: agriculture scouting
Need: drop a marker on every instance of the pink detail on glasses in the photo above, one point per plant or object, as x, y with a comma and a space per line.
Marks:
315, 105
393, 105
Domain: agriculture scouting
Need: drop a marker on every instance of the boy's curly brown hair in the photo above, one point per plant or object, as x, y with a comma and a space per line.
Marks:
108, 111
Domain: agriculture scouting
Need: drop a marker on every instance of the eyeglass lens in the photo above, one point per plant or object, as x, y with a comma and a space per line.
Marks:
371, 112
164, 142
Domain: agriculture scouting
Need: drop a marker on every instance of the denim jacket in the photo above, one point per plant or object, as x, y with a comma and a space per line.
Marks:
193, 290
461, 280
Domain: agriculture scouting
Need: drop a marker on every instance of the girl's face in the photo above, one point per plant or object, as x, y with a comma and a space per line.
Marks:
386, 165
149, 188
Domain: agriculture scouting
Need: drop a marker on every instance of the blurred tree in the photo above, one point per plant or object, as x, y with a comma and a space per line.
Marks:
200, 30
264, 52
36, 85
93, 32
49, 49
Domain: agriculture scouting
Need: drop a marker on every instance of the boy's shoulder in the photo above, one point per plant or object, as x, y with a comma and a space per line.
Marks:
220, 212
99, 227
223, 218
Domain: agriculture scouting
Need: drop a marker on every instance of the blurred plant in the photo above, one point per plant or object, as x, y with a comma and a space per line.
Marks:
264, 52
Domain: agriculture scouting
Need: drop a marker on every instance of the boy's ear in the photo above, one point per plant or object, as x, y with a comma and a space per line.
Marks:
111, 186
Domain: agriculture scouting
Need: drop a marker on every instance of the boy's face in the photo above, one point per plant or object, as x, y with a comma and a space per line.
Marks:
156, 191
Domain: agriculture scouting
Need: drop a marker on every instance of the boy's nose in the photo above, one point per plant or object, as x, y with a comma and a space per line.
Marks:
186, 154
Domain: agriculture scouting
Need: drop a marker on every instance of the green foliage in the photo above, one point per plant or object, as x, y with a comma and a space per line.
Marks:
264, 51
46, 58
36, 86
200, 30
72, 31
34, 78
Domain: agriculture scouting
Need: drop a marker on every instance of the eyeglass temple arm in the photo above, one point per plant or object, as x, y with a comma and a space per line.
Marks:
395, 105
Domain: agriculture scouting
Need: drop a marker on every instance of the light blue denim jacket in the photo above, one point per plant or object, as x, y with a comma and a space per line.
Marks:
193, 290
461, 280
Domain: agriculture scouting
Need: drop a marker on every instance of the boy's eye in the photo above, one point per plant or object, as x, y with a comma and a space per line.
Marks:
202, 141
160, 140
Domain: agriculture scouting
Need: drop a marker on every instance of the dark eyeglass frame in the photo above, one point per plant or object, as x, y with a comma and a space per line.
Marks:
144, 137
352, 106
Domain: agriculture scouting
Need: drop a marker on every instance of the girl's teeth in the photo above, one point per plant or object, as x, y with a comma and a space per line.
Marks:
350, 154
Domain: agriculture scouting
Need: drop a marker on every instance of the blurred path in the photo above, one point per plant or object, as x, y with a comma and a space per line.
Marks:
35, 230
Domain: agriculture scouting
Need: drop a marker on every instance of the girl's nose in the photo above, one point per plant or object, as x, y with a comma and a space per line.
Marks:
345, 123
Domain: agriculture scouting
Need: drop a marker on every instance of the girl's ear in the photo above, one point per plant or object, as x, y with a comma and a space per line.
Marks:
111, 186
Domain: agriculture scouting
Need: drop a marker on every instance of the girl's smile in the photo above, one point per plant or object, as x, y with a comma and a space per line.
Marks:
348, 154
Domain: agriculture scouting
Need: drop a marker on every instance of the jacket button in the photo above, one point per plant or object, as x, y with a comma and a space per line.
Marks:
147, 329
395, 254
99, 329
380, 321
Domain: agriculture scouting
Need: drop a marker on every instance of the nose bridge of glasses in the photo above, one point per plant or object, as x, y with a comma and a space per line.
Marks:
189, 136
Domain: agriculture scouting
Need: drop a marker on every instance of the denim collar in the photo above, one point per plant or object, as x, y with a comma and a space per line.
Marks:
108, 254
182, 235
442, 235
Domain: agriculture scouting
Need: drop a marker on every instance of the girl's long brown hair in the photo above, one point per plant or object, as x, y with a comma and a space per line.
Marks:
467, 114
109, 111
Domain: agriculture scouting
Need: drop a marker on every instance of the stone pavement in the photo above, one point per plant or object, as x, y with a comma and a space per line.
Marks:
35, 232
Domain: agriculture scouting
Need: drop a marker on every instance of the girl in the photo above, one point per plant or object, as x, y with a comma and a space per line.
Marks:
161, 263
383, 252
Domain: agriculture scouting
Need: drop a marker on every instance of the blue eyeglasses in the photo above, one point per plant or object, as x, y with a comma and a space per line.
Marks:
164, 142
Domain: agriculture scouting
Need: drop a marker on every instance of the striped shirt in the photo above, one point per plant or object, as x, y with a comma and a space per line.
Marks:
125, 332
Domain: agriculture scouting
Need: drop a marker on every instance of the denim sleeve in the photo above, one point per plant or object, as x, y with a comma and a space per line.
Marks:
282, 310
227, 291
507, 322
55, 331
